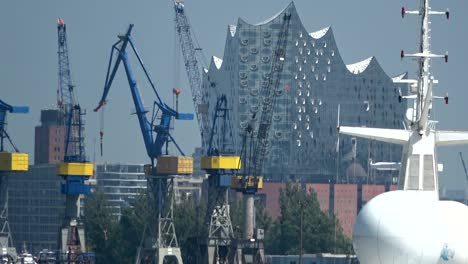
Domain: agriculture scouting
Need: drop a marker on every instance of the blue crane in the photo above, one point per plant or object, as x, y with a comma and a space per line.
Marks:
9, 162
74, 169
4, 108
223, 144
156, 138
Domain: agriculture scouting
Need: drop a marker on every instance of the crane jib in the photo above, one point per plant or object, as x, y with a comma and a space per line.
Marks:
155, 136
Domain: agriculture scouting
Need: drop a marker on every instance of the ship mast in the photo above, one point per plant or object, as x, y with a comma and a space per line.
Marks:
425, 80
419, 168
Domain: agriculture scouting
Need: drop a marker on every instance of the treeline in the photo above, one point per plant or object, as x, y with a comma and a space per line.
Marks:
117, 241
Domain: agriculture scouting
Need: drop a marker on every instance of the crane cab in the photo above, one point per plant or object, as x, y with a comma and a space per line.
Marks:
75, 169
14, 161
247, 184
221, 163
174, 165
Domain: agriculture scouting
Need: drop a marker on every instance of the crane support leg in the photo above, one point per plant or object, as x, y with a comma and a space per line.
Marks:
167, 247
249, 216
218, 246
7, 250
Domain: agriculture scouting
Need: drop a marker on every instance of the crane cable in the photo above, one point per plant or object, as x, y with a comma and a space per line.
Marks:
101, 132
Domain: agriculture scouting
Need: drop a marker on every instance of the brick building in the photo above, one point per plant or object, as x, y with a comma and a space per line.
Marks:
49, 147
344, 200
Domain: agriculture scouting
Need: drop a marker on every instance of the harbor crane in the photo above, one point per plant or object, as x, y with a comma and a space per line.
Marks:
222, 165
75, 169
10, 163
253, 154
156, 139
193, 69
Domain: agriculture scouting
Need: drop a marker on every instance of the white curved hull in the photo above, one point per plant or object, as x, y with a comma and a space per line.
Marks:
408, 227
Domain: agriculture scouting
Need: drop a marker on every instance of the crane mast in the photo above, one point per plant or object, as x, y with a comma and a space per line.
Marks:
221, 165
193, 69
156, 138
75, 170
253, 154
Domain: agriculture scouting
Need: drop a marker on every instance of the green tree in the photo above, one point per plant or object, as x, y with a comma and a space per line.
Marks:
101, 228
135, 223
320, 232
189, 223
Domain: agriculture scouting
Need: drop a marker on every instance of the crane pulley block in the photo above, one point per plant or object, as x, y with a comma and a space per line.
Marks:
174, 165
247, 184
75, 169
14, 161
221, 163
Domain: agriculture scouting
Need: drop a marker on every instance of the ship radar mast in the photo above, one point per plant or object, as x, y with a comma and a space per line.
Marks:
423, 85
419, 168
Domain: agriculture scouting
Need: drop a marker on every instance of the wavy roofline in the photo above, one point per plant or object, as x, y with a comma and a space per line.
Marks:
319, 33
360, 66
273, 17
218, 62
232, 29
401, 76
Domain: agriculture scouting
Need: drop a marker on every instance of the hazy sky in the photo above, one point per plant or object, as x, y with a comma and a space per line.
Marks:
28, 52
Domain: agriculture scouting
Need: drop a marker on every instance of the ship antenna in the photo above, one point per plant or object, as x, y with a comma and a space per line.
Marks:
422, 86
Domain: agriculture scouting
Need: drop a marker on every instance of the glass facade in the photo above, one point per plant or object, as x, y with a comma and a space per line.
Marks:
36, 207
303, 137
121, 183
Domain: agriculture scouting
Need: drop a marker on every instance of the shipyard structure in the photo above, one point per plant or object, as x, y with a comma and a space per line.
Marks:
304, 143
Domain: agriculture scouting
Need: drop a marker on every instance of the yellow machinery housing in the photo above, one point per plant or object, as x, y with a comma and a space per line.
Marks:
75, 169
14, 161
221, 163
174, 165
241, 183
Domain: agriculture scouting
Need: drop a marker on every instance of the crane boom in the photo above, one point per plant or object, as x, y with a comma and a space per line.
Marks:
184, 31
4, 108
67, 103
74, 169
269, 93
65, 97
155, 136
154, 144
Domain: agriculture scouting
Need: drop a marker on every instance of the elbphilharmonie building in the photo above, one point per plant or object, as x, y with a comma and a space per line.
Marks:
304, 143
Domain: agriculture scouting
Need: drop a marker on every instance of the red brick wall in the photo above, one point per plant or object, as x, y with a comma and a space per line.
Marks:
345, 200
323, 194
272, 191
370, 191
49, 144
346, 206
